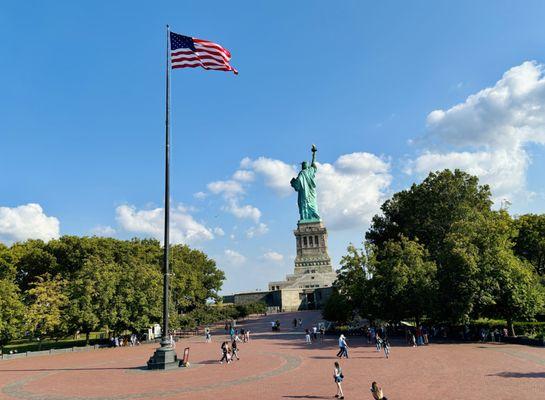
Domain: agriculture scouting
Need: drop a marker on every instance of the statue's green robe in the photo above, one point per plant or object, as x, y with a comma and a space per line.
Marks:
305, 185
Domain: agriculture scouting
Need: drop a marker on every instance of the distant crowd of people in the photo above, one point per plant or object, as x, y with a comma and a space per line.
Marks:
229, 349
125, 340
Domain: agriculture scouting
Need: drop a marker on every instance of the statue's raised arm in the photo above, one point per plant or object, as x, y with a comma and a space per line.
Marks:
305, 186
314, 150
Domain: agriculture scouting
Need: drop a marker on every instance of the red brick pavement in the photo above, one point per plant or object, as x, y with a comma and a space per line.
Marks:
282, 366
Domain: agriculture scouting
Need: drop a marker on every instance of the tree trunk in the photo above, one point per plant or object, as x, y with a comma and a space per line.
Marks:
87, 334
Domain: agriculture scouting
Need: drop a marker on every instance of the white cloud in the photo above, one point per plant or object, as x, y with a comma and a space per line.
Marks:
218, 231
490, 129
273, 256
503, 170
246, 211
258, 230
233, 257
361, 163
351, 190
243, 175
505, 115
183, 227
276, 174
228, 189
103, 230
200, 195
27, 221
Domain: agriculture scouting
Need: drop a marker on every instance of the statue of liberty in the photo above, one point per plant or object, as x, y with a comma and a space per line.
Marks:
305, 186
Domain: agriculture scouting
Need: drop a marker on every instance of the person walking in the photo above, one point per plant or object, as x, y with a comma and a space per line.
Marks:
234, 350
377, 392
315, 332
322, 333
232, 333
207, 335
247, 335
294, 323
243, 334
225, 353
307, 337
378, 340
300, 321
338, 378
386, 346
343, 347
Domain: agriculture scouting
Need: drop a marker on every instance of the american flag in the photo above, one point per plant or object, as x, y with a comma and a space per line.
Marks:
188, 52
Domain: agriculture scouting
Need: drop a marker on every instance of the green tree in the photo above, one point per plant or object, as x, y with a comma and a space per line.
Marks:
11, 312
91, 293
352, 282
405, 277
139, 296
337, 308
530, 240
46, 302
32, 260
519, 295
428, 210
7, 266
195, 280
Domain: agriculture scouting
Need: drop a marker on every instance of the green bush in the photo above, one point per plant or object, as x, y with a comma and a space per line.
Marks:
531, 329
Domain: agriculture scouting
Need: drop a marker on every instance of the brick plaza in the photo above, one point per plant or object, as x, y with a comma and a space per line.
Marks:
281, 366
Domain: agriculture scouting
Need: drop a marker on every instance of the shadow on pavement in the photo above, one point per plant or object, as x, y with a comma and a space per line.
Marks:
141, 368
520, 374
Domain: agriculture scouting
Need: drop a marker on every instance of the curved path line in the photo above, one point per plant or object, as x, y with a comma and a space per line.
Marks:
16, 389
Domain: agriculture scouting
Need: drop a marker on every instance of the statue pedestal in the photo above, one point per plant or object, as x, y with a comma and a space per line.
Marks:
311, 246
313, 268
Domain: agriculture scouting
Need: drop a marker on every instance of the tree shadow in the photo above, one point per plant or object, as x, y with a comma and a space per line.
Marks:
307, 396
141, 368
208, 362
520, 374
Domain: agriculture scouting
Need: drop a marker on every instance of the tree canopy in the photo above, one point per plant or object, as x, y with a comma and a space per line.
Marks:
439, 251
87, 284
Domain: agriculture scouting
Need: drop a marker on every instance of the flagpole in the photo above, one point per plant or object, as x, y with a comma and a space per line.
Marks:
166, 271
165, 356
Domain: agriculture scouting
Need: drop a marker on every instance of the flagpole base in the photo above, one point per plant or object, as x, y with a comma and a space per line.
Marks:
164, 358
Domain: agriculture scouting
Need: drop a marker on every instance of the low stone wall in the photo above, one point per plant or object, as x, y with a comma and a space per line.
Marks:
48, 352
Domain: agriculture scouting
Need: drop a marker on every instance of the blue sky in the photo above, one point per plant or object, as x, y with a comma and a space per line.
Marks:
82, 117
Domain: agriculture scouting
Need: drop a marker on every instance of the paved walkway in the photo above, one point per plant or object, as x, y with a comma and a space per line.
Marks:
282, 366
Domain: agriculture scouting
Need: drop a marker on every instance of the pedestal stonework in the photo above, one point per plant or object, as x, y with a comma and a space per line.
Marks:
312, 263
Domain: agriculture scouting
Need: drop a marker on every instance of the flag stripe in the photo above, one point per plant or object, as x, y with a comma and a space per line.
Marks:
199, 62
201, 54
203, 66
208, 45
201, 51
187, 52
